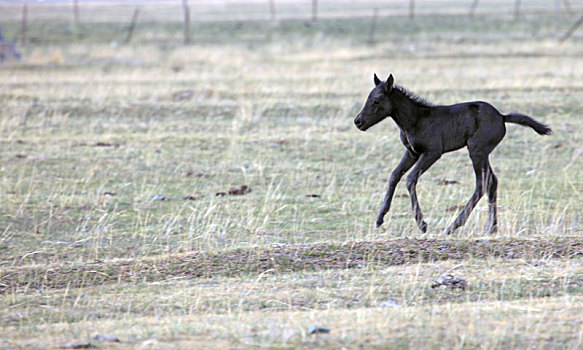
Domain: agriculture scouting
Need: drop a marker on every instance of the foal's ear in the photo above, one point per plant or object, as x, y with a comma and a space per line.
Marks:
377, 81
390, 81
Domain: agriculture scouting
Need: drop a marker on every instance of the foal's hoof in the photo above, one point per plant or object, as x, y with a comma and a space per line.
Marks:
449, 230
423, 226
490, 230
380, 222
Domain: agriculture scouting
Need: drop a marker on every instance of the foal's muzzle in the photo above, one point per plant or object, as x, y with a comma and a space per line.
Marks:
359, 122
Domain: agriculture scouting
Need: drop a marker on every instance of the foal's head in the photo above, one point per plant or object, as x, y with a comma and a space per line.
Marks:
377, 106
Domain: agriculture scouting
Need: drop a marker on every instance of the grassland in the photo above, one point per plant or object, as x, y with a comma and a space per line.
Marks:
92, 131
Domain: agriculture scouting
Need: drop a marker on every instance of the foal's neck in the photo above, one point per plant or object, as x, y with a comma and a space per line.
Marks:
406, 113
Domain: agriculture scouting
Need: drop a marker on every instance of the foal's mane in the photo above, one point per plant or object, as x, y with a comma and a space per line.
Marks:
418, 100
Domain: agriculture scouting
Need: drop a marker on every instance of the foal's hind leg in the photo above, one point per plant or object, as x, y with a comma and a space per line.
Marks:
492, 186
480, 163
425, 161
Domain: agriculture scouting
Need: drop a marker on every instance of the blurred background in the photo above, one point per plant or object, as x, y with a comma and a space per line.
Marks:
135, 119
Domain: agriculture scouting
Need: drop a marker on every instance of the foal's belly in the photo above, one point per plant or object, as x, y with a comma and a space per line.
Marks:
450, 145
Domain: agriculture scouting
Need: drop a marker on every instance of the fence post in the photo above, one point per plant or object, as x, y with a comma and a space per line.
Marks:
473, 8
76, 13
314, 10
272, 10
186, 11
568, 8
24, 24
373, 25
571, 30
411, 9
516, 10
132, 25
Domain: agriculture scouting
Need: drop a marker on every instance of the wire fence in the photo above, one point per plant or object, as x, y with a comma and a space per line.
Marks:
124, 15
224, 10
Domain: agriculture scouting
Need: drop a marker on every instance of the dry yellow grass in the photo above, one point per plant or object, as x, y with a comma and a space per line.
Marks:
90, 133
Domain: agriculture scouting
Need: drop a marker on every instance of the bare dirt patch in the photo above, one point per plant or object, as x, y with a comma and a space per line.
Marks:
283, 259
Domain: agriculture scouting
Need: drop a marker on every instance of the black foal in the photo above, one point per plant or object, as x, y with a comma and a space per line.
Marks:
428, 131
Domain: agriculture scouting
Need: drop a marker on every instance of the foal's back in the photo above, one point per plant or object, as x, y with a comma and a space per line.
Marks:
462, 124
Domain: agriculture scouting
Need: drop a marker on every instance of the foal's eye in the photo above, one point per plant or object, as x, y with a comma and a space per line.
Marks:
375, 102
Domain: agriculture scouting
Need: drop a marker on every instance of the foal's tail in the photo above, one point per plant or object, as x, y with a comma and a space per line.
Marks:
525, 120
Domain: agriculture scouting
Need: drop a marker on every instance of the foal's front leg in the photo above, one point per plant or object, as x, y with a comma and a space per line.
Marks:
425, 162
404, 165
